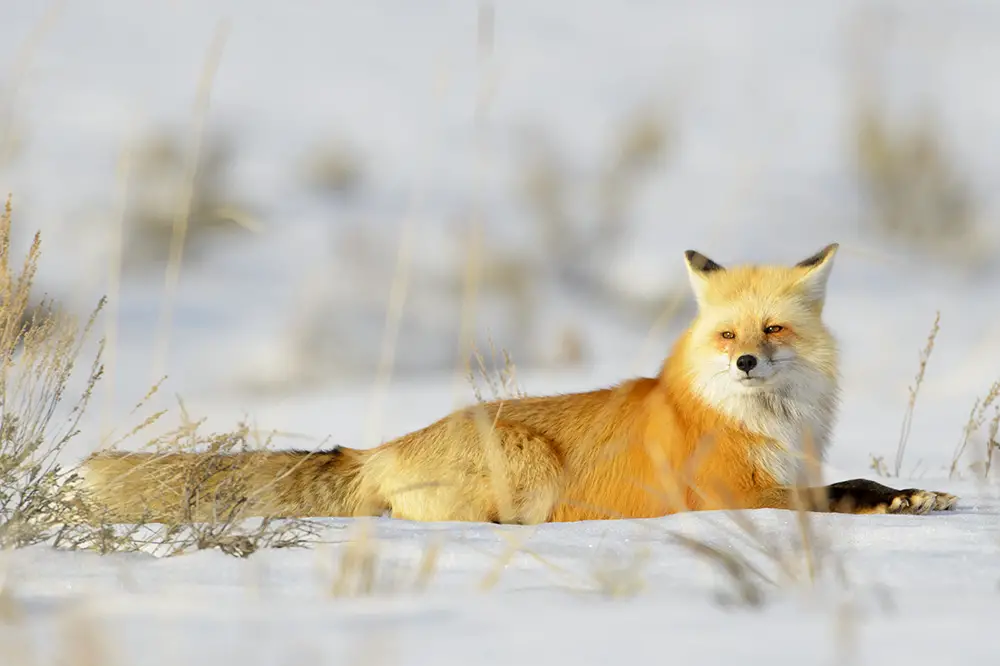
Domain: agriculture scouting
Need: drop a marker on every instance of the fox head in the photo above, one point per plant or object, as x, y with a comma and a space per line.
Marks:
758, 338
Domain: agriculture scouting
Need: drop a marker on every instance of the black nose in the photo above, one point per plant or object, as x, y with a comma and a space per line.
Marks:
747, 362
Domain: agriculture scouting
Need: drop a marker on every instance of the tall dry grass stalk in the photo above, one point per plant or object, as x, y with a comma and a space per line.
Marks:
161, 176
755, 560
390, 336
117, 236
183, 210
10, 138
577, 246
914, 391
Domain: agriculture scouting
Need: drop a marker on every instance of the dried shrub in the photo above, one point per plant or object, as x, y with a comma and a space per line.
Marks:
43, 501
913, 187
577, 246
985, 412
914, 190
335, 168
157, 183
39, 349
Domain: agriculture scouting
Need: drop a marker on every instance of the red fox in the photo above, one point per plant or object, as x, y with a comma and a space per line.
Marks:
742, 405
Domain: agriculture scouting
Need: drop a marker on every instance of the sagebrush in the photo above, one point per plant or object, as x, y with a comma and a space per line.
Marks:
41, 499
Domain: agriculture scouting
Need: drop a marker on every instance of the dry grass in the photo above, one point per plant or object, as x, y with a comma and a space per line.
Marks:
184, 197
756, 562
364, 566
215, 508
334, 168
499, 375
984, 417
915, 192
576, 245
985, 412
12, 127
914, 389
39, 354
511, 281
40, 499
914, 189
158, 175
177, 193
878, 464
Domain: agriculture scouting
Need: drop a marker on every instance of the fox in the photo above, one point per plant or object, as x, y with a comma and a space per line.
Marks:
742, 408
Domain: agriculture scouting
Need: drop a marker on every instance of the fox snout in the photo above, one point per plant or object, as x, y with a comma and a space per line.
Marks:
746, 367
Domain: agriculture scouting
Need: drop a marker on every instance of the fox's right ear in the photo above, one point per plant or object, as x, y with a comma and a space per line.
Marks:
700, 268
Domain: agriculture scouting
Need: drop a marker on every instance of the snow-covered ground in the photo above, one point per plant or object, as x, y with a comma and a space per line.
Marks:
896, 589
759, 96
919, 590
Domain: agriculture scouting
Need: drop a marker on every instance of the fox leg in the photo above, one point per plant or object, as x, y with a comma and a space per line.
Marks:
857, 496
500, 472
526, 480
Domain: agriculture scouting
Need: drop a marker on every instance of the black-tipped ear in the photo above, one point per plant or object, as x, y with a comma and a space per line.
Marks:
700, 268
819, 257
698, 262
817, 272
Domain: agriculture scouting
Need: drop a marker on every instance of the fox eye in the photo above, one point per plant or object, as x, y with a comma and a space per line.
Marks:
774, 329
728, 335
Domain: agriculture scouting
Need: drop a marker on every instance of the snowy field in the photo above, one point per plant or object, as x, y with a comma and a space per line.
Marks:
760, 170
920, 590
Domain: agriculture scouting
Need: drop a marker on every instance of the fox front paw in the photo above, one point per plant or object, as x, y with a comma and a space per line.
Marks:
914, 500
864, 496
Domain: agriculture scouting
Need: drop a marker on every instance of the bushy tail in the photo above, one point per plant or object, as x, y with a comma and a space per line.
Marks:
179, 487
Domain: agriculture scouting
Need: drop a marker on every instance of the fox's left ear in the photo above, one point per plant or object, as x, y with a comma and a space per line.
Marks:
816, 272
700, 268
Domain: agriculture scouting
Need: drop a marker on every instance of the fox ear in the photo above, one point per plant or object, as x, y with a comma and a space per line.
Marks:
700, 268
815, 272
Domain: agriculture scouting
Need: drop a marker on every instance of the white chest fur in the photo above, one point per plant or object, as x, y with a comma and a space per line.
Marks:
794, 422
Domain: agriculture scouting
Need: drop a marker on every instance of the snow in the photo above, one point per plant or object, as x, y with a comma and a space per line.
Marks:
760, 171
920, 589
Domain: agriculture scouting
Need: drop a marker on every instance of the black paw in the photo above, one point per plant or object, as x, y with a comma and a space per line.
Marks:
864, 496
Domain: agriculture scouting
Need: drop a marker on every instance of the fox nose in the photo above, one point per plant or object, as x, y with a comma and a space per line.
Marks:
746, 362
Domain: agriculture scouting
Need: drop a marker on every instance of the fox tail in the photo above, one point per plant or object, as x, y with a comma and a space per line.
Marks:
150, 487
